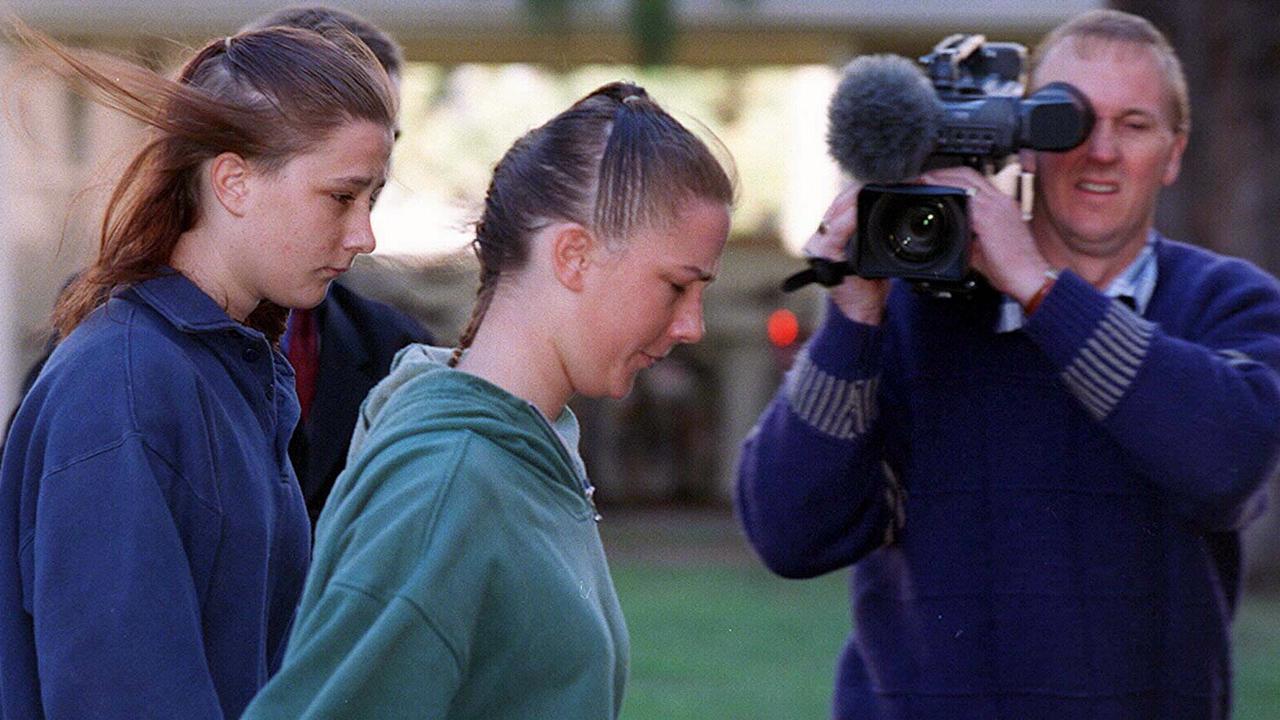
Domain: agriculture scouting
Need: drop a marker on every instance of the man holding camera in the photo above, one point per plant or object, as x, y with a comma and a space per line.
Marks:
1042, 487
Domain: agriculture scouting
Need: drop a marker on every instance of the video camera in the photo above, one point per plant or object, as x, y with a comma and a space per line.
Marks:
891, 120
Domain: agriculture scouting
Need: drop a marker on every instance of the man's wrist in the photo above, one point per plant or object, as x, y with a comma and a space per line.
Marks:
1032, 302
860, 311
859, 304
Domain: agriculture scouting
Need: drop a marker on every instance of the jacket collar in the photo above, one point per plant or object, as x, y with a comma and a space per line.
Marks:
184, 304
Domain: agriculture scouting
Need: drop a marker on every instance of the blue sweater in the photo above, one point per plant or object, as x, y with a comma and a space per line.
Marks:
153, 540
1044, 522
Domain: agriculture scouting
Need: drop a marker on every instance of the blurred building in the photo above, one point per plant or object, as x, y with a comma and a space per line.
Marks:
677, 436
711, 32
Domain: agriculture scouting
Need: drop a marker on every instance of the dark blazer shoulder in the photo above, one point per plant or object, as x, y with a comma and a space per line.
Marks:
359, 338
385, 328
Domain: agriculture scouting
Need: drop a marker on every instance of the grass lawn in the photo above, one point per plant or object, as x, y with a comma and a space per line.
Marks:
731, 641
1257, 658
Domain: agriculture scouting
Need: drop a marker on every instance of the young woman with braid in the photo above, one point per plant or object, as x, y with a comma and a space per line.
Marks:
458, 571
153, 540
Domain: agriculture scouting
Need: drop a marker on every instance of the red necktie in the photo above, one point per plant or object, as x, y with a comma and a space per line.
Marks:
303, 356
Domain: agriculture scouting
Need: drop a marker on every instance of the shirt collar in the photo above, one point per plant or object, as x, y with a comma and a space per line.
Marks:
1134, 285
184, 304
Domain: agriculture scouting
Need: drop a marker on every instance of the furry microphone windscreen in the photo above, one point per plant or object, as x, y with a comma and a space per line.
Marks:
883, 119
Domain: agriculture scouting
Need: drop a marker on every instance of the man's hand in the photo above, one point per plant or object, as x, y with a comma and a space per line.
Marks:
860, 300
1003, 248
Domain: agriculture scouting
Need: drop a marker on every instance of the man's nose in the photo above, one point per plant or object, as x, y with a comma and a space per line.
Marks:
1103, 145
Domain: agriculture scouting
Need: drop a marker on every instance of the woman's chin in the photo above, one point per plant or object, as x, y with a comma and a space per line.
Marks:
623, 388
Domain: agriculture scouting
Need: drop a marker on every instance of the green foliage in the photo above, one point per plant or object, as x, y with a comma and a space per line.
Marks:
653, 23
548, 15
653, 27
458, 121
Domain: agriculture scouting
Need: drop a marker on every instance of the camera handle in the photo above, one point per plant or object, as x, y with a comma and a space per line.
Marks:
827, 273
1018, 184
830, 273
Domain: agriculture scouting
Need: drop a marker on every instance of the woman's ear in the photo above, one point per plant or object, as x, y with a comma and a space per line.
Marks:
229, 176
573, 249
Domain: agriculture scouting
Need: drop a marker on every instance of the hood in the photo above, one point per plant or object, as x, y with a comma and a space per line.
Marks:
423, 394
409, 363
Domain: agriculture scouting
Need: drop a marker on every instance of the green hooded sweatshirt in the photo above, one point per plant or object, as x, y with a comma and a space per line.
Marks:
458, 571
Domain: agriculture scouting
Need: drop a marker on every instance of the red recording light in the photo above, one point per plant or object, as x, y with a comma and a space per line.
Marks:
783, 328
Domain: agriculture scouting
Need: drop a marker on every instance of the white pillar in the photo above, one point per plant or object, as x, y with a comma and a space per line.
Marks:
750, 380
10, 364
811, 178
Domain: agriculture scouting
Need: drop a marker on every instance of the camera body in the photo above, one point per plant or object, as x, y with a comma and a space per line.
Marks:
922, 232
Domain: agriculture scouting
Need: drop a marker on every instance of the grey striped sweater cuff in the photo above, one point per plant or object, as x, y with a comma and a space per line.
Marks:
1104, 368
843, 409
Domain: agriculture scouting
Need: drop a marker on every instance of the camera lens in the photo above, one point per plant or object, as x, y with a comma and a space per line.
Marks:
919, 233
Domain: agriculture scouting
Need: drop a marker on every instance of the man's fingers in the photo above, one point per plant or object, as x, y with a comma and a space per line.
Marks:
1006, 181
832, 232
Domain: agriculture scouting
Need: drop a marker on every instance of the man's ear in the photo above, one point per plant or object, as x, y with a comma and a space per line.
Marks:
1173, 166
229, 176
573, 249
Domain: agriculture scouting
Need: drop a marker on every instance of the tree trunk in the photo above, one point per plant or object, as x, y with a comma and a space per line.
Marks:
1228, 197
1229, 191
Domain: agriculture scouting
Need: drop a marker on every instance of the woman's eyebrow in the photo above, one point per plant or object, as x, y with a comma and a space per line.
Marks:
698, 272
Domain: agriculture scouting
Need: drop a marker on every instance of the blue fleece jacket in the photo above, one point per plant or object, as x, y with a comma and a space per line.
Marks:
1044, 522
153, 539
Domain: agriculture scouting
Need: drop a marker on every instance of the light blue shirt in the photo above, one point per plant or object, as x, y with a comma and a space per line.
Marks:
1135, 285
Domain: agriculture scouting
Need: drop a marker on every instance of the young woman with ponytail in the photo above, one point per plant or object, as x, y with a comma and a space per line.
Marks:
458, 571
153, 540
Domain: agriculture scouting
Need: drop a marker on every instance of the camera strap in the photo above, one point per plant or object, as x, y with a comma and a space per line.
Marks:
827, 273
